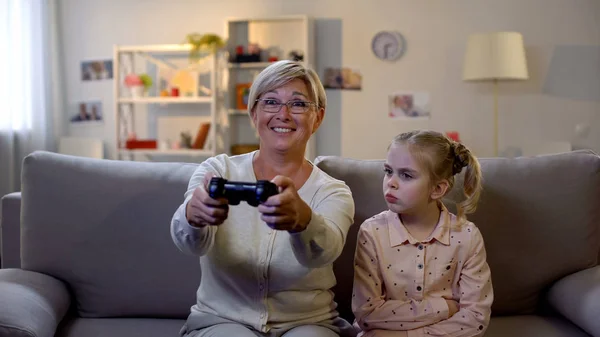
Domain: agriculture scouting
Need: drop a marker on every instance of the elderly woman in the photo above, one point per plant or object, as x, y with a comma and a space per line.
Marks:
267, 270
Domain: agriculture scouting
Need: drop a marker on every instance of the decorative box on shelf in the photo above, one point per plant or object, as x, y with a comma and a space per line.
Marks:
132, 144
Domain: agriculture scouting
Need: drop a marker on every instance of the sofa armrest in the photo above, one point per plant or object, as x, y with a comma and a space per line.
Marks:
33, 304
10, 227
577, 297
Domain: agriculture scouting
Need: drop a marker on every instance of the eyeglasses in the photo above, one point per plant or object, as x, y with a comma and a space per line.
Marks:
295, 107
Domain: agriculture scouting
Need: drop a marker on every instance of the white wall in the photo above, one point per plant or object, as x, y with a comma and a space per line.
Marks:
436, 32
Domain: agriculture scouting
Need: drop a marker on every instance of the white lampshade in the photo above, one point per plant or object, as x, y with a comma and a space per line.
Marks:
495, 56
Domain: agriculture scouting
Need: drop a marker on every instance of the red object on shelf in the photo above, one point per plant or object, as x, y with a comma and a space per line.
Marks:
174, 92
273, 59
453, 135
141, 144
239, 50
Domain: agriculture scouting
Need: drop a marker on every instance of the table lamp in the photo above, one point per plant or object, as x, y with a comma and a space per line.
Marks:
493, 57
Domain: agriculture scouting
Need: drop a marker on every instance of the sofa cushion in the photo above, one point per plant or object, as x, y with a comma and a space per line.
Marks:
539, 217
10, 217
120, 327
31, 304
102, 227
533, 326
364, 177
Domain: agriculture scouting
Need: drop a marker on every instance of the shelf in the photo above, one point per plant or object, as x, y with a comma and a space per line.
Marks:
249, 65
156, 48
173, 152
166, 100
268, 19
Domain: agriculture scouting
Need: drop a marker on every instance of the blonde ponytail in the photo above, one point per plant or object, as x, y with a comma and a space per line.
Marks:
472, 179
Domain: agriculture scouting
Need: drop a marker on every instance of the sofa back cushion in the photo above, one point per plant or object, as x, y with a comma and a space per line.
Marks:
102, 227
539, 216
364, 177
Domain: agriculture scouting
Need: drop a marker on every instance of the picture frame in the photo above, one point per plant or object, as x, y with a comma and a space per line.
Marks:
344, 78
409, 105
87, 112
242, 91
96, 70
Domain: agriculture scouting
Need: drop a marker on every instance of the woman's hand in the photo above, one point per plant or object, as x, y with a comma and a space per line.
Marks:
452, 307
202, 210
286, 210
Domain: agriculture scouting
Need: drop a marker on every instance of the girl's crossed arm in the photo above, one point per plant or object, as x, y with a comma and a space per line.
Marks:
476, 297
369, 304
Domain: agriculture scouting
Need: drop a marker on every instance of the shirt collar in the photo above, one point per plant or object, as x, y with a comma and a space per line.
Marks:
399, 235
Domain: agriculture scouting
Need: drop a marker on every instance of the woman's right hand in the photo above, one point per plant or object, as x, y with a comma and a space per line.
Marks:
202, 210
452, 307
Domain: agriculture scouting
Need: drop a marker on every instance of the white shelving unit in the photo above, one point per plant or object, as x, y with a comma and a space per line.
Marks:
248, 65
274, 35
200, 106
165, 100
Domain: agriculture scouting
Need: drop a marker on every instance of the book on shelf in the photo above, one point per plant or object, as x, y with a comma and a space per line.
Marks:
201, 136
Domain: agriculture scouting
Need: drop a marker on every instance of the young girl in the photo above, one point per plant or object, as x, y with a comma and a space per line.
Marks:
419, 269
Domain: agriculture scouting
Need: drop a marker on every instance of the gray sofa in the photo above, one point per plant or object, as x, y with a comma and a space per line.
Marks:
96, 257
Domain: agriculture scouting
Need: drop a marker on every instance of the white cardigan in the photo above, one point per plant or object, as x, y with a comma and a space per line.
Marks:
260, 277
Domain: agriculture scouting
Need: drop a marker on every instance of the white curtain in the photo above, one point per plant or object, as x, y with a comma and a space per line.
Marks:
27, 47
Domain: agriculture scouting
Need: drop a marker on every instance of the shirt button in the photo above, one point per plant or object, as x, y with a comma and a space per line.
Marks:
419, 288
420, 266
420, 247
261, 287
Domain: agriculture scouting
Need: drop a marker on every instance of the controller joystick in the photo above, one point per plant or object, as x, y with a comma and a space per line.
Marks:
237, 191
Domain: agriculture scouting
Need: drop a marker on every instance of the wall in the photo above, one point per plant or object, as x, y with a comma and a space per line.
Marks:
357, 125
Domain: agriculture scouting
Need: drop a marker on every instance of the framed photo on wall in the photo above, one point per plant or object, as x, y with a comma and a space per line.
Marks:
342, 78
96, 70
409, 105
87, 111
242, 91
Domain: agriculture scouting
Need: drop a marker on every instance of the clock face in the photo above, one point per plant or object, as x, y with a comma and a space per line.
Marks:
388, 46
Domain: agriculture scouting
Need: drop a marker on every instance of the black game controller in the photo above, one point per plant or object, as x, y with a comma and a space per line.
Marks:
236, 191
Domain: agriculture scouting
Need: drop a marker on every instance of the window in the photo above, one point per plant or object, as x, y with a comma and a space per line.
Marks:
20, 40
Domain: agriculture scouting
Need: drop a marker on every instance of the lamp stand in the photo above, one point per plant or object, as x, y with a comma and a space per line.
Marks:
495, 118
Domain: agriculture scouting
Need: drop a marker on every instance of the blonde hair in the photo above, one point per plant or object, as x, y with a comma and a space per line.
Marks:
281, 73
445, 158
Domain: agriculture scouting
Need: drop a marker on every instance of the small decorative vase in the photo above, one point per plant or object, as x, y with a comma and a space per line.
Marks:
137, 91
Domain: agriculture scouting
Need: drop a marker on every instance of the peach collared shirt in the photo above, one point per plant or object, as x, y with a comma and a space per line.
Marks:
401, 283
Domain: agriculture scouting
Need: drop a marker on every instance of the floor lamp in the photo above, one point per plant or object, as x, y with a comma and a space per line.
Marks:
494, 57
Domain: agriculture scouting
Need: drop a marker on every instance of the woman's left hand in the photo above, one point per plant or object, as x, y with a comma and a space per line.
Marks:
286, 210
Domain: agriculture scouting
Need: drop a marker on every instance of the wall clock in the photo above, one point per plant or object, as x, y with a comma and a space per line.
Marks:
388, 45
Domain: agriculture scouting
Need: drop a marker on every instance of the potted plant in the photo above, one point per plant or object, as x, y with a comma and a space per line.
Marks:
146, 82
135, 85
207, 42
138, 84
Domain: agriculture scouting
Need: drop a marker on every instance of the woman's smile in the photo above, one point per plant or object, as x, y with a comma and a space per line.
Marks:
282, 130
